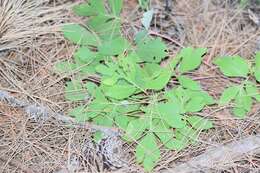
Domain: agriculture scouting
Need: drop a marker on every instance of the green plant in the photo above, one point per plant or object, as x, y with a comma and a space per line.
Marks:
144, 4
132, 91
243, 94
245, 3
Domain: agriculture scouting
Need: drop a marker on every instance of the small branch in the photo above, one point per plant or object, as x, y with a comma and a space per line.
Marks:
166, 38
219, 156
41, 113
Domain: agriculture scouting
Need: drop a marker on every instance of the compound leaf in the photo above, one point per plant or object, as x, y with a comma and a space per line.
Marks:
195, 104
84, 56
134, 130
119, 91
111, 80
252, 91
74, 91
122, 121
148, 152
105, 27
104, 70
98, 136
64, 67
188, 83
116, 6
160, 81
239, 112
228, 94
209, 100
115, 46
257, 66
233, 66
151, 50
165, 135
199, 123
170, 112
79, 35
191, 58
79, 113
141, 36
244, 101
103, 120
243, 104
186, 134
93, 7
96, 107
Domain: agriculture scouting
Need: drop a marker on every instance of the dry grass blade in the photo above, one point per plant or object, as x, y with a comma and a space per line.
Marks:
21, 21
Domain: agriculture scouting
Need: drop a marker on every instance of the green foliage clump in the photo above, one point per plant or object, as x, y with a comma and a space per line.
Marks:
241, 95
133, 89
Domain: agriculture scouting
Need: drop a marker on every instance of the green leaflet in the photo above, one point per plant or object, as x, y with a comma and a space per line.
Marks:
92, 89
158, 82
186, 135
170, 112
189, 100
195, 104
103, 120
188, 83
239, 112
96, 108
152, 70
79, 35
207, 99
252, 91
105, 70
243, 104
148, 152
74, 91
93, 7
151, 50
111, 80
191, 58
144, 4
244, 100
229, 94
116, 6
199, 123
174, 62
98, 136
166, 135
141, 36
257, 67
64, 67
106, 27
119, 91
79, 114
233, 66
122, 121
113, 47
84, 56
135, 130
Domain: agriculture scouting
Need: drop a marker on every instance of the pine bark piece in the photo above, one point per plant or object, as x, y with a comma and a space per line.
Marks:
218, 156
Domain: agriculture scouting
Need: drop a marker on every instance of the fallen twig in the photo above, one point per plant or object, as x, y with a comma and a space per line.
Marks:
219, 156
41, 113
